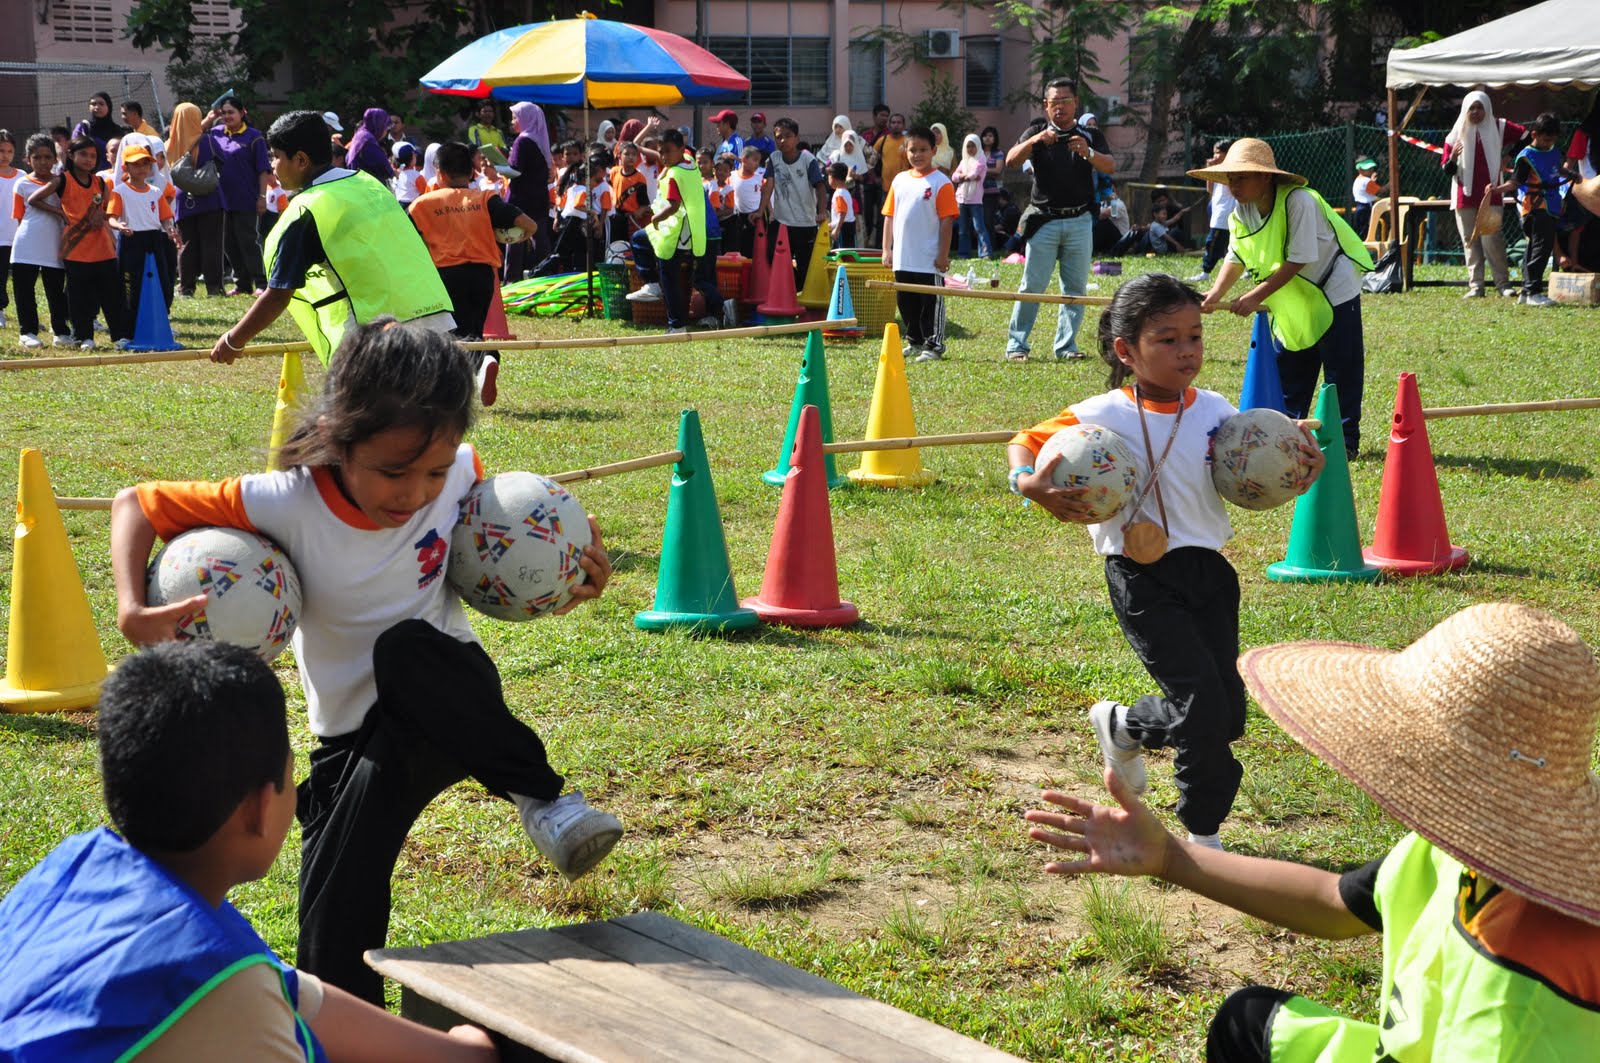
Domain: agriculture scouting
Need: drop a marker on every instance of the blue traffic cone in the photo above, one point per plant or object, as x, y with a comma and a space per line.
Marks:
1263, 389
841, 308
151, 329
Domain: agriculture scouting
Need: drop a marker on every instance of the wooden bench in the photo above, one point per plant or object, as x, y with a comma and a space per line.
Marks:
648, 987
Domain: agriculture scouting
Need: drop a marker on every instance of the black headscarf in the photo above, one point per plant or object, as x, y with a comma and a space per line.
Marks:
103, 129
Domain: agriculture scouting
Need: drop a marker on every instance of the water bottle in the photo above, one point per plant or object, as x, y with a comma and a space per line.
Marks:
972, 278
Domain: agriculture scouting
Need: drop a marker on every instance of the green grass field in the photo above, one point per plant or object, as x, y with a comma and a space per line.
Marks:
850, 801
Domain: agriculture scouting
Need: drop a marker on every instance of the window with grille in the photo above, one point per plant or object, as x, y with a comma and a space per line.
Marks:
213, 18
866, 75
783, 71
83, 22
983, 71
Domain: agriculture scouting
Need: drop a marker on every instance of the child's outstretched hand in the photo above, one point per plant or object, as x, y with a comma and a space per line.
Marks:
1113, 841
596, 564
1063, 503
1315, 460
147, 625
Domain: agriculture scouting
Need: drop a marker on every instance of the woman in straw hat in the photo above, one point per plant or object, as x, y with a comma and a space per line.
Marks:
1303, 259
1478, 738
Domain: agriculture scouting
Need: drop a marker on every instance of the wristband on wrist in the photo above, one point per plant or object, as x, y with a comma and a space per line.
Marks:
1017, 474
1090, 157
227, 341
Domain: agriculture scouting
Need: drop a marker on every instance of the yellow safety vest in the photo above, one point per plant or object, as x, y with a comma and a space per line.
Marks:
376, 263
1299, 311
664, 237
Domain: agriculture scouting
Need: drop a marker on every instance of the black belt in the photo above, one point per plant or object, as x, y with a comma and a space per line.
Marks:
1063, 212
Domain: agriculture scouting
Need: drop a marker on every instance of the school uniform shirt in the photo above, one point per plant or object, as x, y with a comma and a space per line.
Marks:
652, 179
358, 580
458, 225
144, 209
407, 186
843, 208
794, 197
1364, 189
746, 191
629, 189
1195, 514
79, 203
578, 199
277, 199
918, 202
8, 188
37, 240
1311, 241
1222, 204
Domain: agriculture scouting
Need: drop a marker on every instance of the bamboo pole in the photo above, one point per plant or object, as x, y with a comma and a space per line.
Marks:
579, 343
908, 442
1549, 405
976, 293
82, 503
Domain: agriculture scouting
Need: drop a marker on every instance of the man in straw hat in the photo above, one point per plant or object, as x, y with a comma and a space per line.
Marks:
1478, 737
1303, 259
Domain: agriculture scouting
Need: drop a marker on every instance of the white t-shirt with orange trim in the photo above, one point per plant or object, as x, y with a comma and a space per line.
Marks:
1195, 513
8, 187
918, 203
576, 204
144, 209
358, 580
37, 241
843, 206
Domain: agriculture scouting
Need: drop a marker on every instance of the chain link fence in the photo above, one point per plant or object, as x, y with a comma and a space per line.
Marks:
36, 96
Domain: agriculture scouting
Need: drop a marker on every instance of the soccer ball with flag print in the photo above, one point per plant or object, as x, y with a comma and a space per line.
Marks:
252, 589
514, 552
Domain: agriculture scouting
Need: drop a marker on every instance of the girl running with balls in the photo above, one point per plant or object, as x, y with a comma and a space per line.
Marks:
1175, 596
399, 692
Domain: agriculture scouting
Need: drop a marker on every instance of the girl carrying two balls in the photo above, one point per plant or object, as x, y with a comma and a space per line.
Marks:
1176, 597
399, 692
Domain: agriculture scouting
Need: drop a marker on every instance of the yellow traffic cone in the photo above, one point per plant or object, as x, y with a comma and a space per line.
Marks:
53, 658
290, 408
816, 291
891, 418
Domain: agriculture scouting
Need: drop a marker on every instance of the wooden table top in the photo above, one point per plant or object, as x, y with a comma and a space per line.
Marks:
648, 987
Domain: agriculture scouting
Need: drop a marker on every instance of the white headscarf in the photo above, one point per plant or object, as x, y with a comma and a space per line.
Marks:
157, 150
606, 127
852, 152
430, 165
1465, 138
973, 164
835, 139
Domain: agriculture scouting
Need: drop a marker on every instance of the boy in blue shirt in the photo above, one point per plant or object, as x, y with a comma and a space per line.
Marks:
123, 943
1536, 178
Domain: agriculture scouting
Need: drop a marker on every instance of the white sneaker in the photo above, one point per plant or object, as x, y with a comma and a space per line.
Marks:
1539, 299
679, 331
30, 341
1522, 299
1198, 277
929, 355
570, 834
2, 319
86, 345
1122, 754
63, 340
1508, 291
1473, 292
122, 345
649, 293
1207, 841
488, 374
909, 350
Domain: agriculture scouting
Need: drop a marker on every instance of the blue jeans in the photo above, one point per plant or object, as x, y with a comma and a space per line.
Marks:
1064, 243
971, 221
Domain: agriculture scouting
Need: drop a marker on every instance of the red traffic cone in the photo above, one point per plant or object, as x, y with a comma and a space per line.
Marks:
781, 298
801, 586
755, 289
1411, 538
495, 326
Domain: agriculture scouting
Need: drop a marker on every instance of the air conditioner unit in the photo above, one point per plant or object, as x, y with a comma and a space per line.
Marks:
944, 44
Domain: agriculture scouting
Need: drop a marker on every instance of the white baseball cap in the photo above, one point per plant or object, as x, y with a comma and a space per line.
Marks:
333, 121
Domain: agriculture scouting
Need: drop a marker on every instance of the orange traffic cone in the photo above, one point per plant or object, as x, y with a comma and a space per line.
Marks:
760, 267
53, 658
801, 586
781, 301
494, 326
1411, 538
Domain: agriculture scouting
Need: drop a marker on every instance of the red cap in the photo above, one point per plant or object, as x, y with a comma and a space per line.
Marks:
725, 116
759, 116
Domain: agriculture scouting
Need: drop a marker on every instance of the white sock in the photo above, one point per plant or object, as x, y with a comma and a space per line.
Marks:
1209, 841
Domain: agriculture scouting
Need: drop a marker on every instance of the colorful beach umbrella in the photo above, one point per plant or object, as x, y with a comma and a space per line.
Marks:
587, 62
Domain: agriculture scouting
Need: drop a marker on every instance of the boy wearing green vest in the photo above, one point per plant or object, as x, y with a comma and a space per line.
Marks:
343, 252
1477, 737
676, 233
1304, 260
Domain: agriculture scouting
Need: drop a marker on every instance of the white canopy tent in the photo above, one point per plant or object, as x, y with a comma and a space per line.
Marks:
1555, 43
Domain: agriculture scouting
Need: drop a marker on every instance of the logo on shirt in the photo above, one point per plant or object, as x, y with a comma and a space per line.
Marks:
431, 551
927, 193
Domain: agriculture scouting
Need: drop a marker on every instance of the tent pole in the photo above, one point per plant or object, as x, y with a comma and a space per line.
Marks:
1394, 183
588, 241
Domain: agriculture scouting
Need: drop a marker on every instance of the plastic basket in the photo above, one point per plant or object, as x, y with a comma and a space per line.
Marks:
874, 307
655, 314
611, 284
733, 272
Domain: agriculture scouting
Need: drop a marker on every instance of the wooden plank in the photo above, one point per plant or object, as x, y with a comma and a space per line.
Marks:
497, 986
623, 980
889, 1021
815, 1025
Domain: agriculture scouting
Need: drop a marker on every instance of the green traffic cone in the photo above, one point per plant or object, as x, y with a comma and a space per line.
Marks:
694, 587
1324, 543
810, 390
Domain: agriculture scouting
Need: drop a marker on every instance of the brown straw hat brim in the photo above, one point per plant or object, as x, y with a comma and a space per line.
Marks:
1220, 173
1433, 745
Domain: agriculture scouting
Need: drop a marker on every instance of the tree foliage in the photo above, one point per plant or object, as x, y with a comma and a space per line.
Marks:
941, 102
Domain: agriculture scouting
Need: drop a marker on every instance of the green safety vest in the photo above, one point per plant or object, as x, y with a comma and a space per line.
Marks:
1445, 997
664, 237
1299, 311
376, 263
